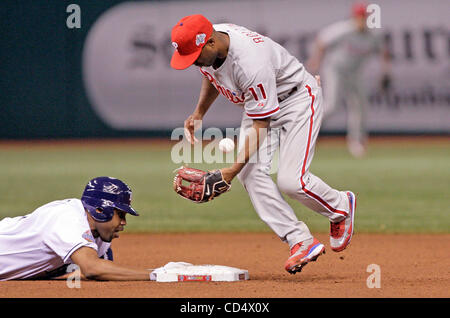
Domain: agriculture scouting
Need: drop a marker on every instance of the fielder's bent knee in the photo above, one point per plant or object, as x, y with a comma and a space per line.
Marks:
252, 173
289, 185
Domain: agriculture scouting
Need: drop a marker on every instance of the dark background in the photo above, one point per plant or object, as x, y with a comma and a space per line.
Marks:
41, 86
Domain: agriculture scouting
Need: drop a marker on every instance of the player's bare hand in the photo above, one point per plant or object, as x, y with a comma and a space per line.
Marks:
191, 124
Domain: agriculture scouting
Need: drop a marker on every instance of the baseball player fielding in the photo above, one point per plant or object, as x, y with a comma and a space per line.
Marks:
283, 104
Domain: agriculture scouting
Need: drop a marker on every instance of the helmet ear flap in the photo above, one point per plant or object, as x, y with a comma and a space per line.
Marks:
98, 212
105, 213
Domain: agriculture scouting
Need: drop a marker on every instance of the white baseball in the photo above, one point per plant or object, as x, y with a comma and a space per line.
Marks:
226, 145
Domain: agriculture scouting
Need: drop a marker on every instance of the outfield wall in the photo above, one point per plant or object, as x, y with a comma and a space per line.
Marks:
111, 77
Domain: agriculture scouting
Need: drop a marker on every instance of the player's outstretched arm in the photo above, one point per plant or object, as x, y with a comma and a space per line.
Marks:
95, 268
253, 140
208, 94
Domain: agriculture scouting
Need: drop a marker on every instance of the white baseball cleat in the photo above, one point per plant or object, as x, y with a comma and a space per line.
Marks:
341, 232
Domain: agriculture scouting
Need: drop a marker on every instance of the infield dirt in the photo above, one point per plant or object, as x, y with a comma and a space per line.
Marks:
410, 266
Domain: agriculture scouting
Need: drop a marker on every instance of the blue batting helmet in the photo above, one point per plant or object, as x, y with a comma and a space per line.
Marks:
104, 194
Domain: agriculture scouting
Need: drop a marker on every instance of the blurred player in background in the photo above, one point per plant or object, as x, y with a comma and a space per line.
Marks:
341, 50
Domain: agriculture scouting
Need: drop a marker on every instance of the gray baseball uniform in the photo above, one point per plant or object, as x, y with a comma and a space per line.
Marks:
267, 81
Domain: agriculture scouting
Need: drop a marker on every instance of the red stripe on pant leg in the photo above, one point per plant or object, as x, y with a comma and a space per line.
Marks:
315, 196
309, 134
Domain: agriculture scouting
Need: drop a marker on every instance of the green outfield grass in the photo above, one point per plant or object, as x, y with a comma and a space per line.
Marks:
402, 186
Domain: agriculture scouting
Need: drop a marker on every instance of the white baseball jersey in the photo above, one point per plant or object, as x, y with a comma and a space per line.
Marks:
255, 72
42, 241
346, 47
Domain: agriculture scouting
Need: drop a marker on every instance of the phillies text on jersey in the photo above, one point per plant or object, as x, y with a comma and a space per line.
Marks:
255, 72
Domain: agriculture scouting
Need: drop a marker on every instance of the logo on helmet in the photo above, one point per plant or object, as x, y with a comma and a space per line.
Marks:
111, 188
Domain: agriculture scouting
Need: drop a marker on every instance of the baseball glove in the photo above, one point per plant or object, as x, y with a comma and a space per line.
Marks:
203, 186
